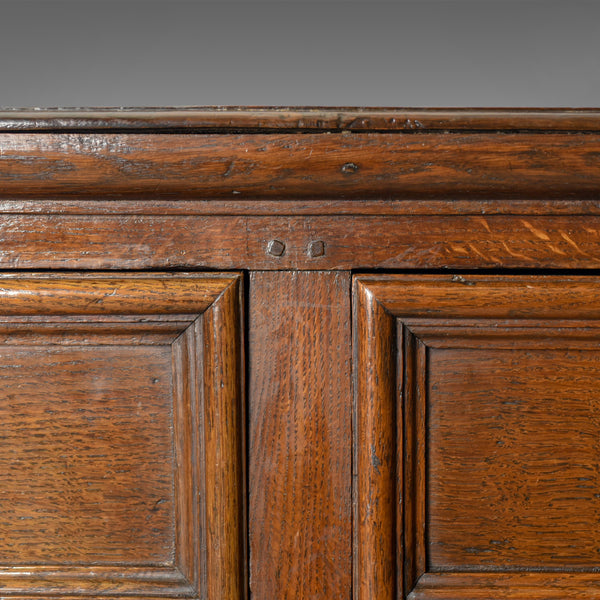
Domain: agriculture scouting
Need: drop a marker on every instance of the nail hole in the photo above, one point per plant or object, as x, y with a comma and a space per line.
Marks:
349, 168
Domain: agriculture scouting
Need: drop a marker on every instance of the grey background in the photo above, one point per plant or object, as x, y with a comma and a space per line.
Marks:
175, 53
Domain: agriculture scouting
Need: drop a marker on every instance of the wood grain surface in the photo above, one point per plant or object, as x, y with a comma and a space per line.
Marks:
300, 119
314, 166
300, 435
107, 293
470, 391
366, 242
499, 297
85, 465
122, 413
492, 491
378, 558
303, 207
513, 458
507, 586
223, 427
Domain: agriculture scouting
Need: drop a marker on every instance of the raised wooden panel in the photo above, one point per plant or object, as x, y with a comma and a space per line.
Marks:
533, 486
477, 427
85, 434
121, 416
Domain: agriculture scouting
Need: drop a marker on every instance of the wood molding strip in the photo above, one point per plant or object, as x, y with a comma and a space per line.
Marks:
224, 422
310, 166
376, 450
73, 294
301, 119
409, 242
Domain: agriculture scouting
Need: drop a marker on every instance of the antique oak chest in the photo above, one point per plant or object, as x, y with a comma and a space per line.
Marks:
300, 354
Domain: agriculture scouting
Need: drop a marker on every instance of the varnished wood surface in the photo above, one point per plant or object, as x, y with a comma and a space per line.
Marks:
527, 498
492, 489
300, 436
81, 294
122, 411
97, 581
300, 197
85, 465
186, 242
378, 559
507, 586
498, 297
305, 208
302, 119
313, 165
224, 443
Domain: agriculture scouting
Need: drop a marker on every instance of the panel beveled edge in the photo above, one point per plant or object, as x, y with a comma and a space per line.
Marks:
209, 432
110, 293
507, 586
389, 537
378, 560
208, 378
382, 304
61, 582
453, 296
224, 445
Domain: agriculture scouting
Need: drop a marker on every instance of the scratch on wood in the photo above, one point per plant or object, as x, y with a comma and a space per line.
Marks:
229, 170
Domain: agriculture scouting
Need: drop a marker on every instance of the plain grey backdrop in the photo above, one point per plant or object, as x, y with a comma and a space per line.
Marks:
175, 53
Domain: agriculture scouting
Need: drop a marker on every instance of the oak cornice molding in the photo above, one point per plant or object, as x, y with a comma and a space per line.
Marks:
248, 154
299, 118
